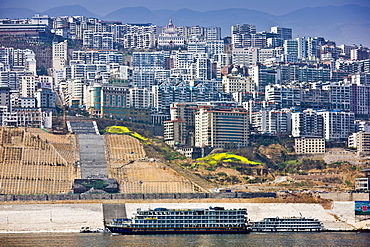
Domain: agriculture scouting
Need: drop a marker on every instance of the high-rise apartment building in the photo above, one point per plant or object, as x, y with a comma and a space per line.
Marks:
139, 98
339, 95
361, 141
241, 33
245, 56
338, 125
220, 128
17, 59
144, 66
307, 123
60, 56
96, 56
360, 99
272, 122
282, 32
98, 40
137, 36
262, 76
301, 47
212, 33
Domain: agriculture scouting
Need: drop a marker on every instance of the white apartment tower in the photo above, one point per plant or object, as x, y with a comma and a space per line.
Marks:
144, 66
59, 55
338, 125
245, 56
59, 59
307, 123
139, 97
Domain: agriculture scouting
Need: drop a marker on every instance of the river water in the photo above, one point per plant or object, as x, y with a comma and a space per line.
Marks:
327, 239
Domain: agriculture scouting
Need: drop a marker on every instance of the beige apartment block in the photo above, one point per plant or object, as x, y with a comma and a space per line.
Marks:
361, 141
306, 145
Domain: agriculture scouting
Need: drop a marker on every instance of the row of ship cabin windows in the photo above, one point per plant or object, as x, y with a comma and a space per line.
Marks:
183, 221
196, 217
192, 213
193, 225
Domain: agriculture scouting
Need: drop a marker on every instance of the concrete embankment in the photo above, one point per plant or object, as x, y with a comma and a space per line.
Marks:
71, 217
50, 217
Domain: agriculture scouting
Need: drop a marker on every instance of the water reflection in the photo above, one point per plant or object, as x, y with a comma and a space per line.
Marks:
234, 240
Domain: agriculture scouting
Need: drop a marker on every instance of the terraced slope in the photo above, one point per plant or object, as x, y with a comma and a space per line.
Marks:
33, 162
135, 173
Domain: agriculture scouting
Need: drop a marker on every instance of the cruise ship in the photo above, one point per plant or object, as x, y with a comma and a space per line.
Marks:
291, 224
188, 221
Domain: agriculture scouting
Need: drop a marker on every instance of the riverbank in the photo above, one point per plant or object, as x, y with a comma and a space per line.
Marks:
70, 217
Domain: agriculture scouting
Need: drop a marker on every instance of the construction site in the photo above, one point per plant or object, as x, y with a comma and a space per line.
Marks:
34, 161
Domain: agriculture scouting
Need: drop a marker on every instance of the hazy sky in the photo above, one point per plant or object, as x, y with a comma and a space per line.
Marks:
103, 7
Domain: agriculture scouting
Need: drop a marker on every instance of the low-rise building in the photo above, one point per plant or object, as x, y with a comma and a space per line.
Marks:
26, 117
193, 152
306, 145
363, 184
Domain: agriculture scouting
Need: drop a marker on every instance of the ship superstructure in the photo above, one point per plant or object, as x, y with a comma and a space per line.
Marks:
163, 220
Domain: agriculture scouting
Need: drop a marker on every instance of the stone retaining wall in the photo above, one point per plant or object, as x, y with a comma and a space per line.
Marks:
340, 196
134, 196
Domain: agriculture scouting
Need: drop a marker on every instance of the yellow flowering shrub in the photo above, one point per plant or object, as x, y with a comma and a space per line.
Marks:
125, 130
138, 136
118, 130
213, 159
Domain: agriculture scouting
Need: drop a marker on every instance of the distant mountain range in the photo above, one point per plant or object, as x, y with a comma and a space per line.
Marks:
345, 24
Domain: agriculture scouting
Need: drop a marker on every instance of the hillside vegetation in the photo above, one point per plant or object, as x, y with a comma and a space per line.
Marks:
258, 167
